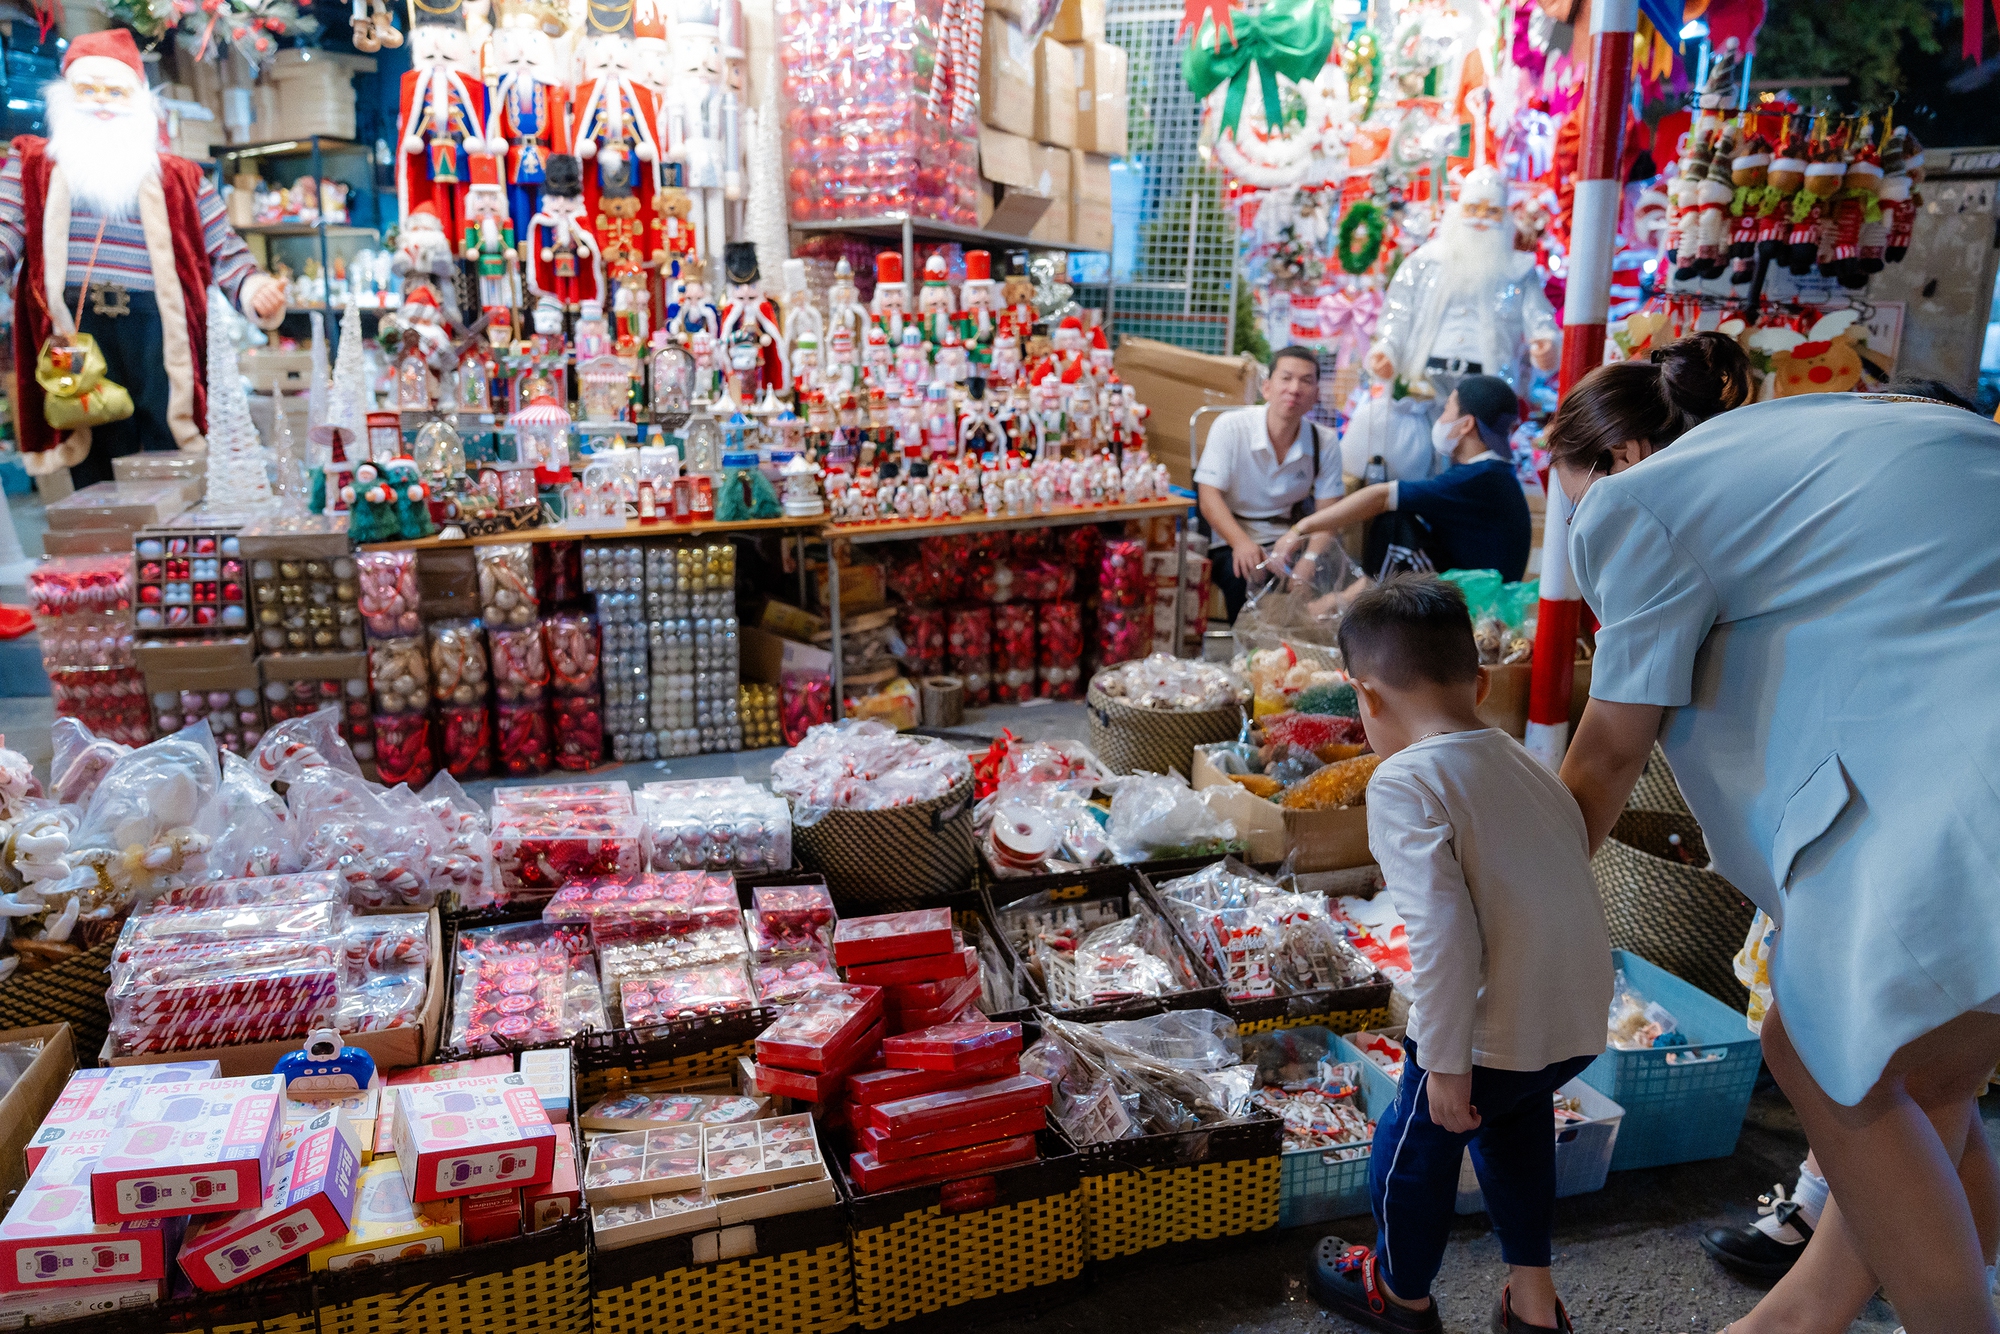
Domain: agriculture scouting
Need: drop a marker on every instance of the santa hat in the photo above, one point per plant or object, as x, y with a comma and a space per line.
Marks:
877, 336
1483, 185
105, 50
936, 271
427, 212
1071, 322
888, 267
485, 171
421, 296
978, 266
1098, 343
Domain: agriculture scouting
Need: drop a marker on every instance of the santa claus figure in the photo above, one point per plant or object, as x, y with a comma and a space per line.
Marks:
142, 290
1466, 303
442, 115
423, 252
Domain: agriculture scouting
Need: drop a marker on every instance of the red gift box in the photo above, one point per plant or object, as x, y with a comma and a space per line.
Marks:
957, 1107
896, 1148
962, 962
825, 1085
901, 935
821, 1029
876, 1086
871, 1174
951, 1046
909, 1019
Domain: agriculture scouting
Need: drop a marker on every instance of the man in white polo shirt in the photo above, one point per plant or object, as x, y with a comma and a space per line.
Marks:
1263, 467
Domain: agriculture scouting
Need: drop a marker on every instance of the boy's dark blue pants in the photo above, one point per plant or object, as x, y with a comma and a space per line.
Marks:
1413, 1171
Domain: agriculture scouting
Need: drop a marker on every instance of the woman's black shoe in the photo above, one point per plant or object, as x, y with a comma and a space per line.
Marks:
1506, 1322
1768, 1248
1343, 1280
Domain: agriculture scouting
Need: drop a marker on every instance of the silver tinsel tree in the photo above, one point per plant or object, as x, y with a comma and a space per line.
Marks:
348, 404
239, 477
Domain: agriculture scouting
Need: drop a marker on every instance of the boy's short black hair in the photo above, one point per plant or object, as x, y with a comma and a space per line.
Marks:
1297, 353
1411, 628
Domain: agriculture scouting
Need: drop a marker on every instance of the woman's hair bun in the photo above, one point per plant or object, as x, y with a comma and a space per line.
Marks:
1679, 387
1703, 375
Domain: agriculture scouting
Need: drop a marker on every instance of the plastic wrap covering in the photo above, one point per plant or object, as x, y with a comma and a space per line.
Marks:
720, 824
1163, 1074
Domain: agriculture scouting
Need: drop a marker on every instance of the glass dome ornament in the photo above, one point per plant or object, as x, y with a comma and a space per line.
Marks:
673, 385
604, 388
439, 450
802, 499
704, 445
541, 434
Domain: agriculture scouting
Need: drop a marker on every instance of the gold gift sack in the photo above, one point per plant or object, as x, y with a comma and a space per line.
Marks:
70, 368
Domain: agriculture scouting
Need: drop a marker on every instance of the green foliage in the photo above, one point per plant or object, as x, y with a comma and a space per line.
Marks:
1861, 39
1249, 333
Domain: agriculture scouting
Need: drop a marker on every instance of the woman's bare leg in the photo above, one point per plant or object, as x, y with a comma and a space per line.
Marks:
1895, 1161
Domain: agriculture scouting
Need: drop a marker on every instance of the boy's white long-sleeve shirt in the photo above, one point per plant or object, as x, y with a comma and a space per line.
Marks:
1486, 857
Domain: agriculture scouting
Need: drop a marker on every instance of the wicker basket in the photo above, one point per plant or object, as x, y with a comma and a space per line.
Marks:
70, 992
798, 1280
683, 1052
1688, 920
890, 860
1656, 789
1196, 1186
1131, 740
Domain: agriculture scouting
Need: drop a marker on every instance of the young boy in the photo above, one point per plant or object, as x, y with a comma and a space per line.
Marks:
1483, 851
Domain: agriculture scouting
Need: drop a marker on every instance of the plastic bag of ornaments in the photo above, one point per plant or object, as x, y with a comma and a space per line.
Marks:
522, 984
80, 760
719, 824
464, 864
1171, 684
864, 766
1260, 938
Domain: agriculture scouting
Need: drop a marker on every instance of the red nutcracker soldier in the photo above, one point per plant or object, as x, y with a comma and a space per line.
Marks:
525, 104
614, 109
976, 318
890, 304
442, 115
563, 259
935, 302
620, 235
751, 317
489, 245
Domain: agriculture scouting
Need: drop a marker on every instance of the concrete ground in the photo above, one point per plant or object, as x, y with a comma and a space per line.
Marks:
1627, 1257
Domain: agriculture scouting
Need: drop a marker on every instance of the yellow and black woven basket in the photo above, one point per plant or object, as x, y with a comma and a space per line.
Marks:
1142, 1195
1336, 1009
1688, 920
796, 1278
1154, 741
1022, 1247
687, 1051
71, 992
890, 860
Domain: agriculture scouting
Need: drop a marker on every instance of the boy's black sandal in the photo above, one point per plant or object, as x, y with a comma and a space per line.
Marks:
1506, 1322
1343, 1279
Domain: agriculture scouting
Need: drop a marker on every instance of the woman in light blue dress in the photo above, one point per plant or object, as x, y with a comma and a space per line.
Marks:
1801, 601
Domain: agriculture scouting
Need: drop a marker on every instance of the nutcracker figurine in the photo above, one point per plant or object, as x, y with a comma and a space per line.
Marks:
912, 364
489, 245
892, 295
804, 363
1004, 358
701, 115
877, 358
843, 301
525, 107
694, 313
752, 314
935, 302
615, 112
625, 256
559, 245
977, 317
442, 115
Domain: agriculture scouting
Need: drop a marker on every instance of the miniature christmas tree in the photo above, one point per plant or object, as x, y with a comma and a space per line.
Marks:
348, 403
238, 464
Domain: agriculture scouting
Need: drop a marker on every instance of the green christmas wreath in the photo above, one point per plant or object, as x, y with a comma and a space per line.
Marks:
1365, 217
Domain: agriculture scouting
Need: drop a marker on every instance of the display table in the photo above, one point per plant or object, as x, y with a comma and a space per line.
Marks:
605, 532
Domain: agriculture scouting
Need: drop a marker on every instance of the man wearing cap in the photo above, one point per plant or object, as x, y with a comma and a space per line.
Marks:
1473, 513
147, 232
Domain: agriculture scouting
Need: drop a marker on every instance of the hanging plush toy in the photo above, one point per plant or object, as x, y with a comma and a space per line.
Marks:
1825, 359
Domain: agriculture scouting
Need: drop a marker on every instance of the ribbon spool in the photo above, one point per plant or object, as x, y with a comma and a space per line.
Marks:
1021, 837
943, 701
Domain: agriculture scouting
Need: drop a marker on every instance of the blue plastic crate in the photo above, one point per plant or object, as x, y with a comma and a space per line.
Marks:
1314, 1186
1682, 1104
1583, 1151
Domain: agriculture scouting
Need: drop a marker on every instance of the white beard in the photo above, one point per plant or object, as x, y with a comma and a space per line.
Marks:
105, 162
1475, 263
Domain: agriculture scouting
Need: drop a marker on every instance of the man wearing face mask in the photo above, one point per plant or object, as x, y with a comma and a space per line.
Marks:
1473, 514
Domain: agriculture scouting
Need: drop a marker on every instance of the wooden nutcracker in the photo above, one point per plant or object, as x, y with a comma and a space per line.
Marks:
442, 116
561, 255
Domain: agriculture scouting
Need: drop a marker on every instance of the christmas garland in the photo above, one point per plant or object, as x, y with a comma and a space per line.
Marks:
1363, 216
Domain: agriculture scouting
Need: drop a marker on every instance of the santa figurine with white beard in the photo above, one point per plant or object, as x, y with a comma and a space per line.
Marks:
1466, 302
99, 185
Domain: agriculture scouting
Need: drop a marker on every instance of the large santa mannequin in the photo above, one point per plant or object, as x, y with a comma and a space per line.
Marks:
100, 183
1467, 302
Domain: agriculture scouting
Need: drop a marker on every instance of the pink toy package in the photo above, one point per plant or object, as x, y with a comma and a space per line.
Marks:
94, 1100
49, 1238
203, 1147
465, 1136
309, 1204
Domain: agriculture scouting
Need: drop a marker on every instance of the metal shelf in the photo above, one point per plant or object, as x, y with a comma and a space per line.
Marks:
294, 147
930, 230
305, 229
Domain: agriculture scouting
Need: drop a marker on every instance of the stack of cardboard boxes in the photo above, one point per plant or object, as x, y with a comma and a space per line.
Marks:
1054, 117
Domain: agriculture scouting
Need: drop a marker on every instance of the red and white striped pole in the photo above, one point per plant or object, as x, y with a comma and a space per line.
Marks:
1586, 308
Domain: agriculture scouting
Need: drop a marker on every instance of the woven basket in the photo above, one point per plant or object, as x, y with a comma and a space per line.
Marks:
1131, 741
1656, 789
798, 1280
1169, 1190
890, 860
1687, 920
71, 992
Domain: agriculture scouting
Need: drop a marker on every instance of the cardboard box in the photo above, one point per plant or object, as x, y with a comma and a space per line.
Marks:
309, 1202
1006, 159
1101, 104
359, 1113
86, 541
203, 1147
128, 505
1506, 705
629, 1222
94, 1101
547, 1072
1052, 165
21, 1309
1079, 21
50, 1240
469, 1136
546, 1205
41, 1089
385, 1226
1055, 94
1089, 200
1316, 840
862, 586
1174, 382
392, 1048
385, 1125
1006, 75
491, 1215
